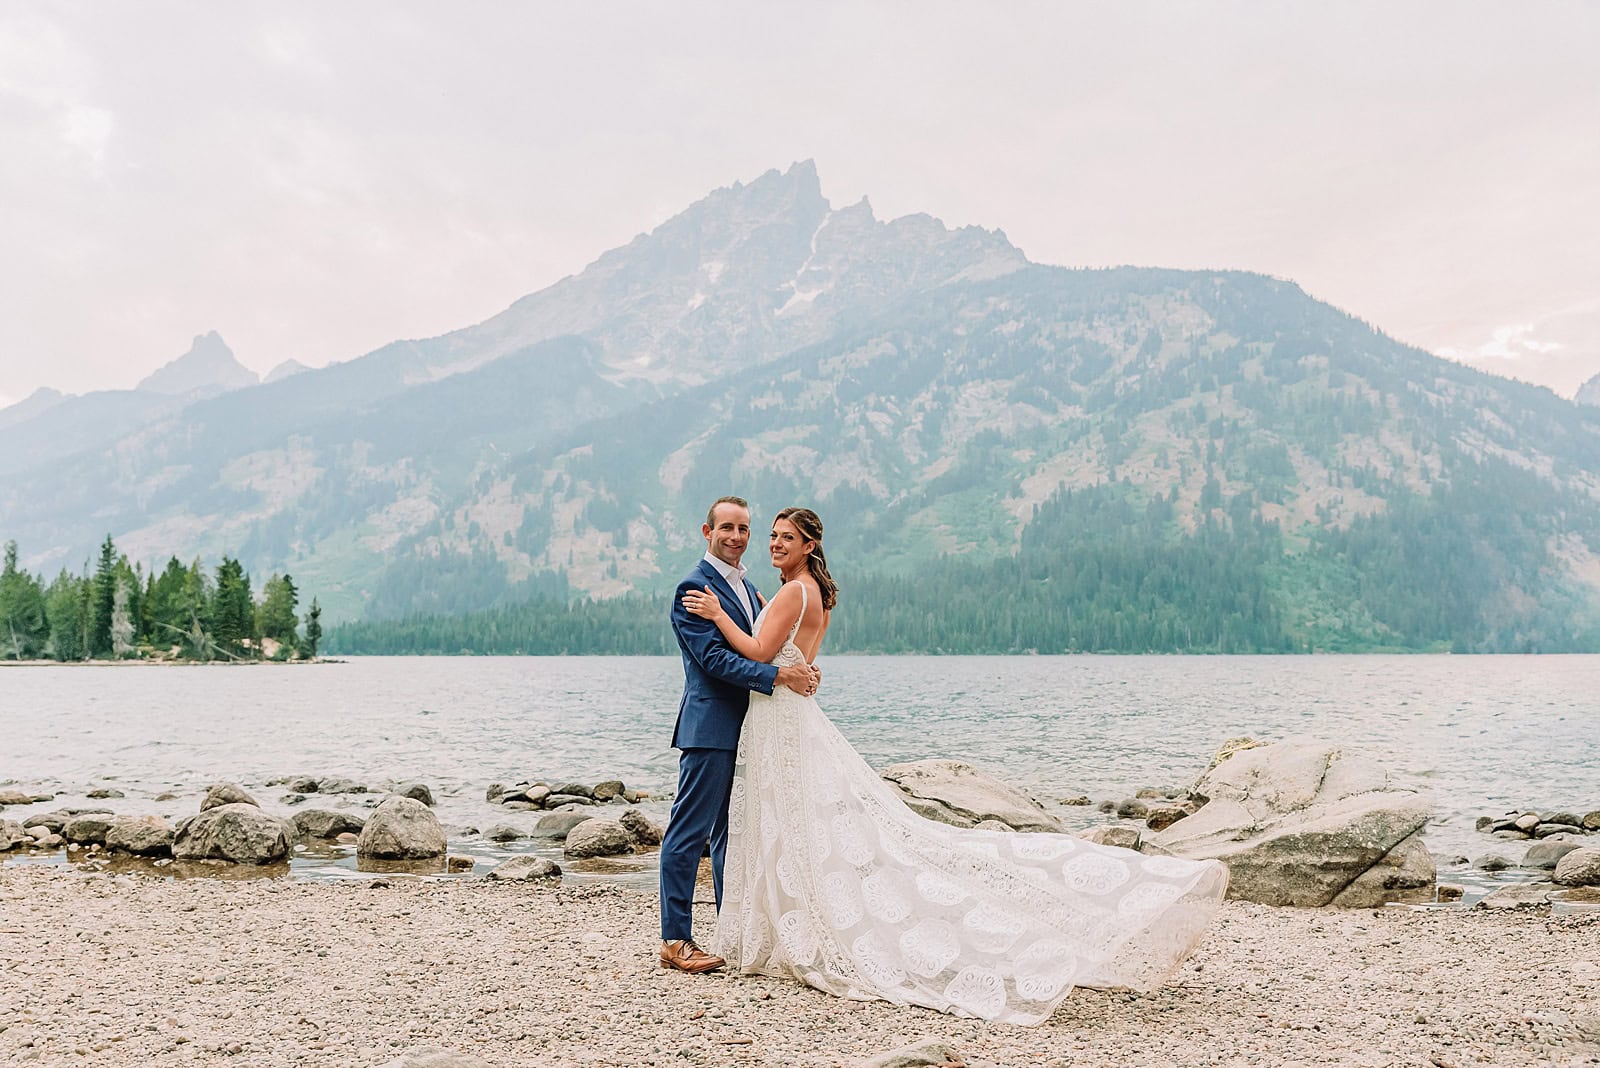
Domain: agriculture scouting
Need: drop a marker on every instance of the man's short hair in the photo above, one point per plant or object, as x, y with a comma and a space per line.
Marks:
711, 513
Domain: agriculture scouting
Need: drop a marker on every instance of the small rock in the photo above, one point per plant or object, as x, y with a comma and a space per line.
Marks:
100, 793
1161, 818
14, 835
557, 824
166, 795
457, 864
321, 823
1112, 835
1518, 895
1527, 821
520, 806
1449, 892
226, 793
1545, 855
1591, 821
1131, 808
495, 792
1547, 830
292, 799
1510, 835
525, 868
927, 1052
15, 797
417, 792
1561, 817
332, 785
1484, 823
993, 825
1581, 867
504, 832
1491, 862
598, 838
641, 828
605, 791
577, 789
141, 835
559, 798
435, 1057
89, 828
1106, 806
304, 785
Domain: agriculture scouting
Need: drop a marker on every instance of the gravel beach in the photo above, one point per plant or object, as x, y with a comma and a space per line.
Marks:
131, 970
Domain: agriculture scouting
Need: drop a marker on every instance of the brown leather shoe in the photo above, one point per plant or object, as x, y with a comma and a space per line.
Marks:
685, 956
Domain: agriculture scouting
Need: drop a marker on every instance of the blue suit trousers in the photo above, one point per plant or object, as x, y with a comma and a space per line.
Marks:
699, 815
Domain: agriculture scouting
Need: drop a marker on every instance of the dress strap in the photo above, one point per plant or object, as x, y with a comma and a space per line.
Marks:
795, 630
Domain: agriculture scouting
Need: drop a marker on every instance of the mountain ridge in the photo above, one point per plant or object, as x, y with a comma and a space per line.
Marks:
929, 390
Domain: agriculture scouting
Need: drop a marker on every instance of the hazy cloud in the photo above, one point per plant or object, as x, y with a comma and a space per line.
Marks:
315, 180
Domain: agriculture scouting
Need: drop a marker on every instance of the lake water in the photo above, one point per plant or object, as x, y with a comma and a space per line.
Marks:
1482, 734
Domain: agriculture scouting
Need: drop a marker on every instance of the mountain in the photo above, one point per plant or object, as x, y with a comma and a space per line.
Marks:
1589, 392
1128, 458
284, 370
207, 368
34, 404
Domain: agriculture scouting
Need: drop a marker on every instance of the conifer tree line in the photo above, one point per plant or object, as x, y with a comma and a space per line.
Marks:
116, 610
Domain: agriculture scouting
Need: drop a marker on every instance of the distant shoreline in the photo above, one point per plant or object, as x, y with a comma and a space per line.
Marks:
142, 662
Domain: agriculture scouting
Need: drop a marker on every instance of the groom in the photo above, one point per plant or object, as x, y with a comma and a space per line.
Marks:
716, 689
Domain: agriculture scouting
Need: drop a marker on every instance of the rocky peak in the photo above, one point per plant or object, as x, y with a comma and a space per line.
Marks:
1589, 392
284, 370
38, 402
206, 369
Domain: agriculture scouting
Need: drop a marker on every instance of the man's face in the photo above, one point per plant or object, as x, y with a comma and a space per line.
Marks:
729, 533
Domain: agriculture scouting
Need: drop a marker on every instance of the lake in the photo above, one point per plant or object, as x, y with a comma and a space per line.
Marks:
1484, 734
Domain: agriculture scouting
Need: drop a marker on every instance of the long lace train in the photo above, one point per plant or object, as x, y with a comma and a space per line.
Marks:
830, 879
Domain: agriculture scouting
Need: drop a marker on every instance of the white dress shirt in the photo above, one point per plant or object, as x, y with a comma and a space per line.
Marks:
734, 573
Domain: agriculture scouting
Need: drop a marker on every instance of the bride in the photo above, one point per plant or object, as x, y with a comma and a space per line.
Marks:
831, 880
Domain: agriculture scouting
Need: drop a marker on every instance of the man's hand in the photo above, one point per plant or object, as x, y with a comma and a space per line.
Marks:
801, 678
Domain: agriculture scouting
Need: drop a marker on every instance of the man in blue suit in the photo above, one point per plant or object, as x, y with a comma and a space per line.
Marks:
716, 690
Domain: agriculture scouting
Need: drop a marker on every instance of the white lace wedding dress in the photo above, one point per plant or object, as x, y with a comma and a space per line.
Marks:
830, 879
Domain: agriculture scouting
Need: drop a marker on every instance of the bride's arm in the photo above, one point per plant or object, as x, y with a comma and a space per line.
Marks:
785, 609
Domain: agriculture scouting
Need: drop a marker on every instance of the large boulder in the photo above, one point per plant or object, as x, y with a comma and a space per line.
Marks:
598, 838
226, 793
149, 836
955, 793
1306, 823
1581, 867
238, 832
321, 823
401, 829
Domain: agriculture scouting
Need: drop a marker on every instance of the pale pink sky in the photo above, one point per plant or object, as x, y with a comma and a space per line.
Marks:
313, 180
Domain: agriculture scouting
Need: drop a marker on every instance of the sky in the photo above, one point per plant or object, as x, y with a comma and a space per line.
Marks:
314, 180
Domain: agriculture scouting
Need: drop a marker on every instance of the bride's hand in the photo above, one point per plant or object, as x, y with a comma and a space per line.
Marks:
705, 605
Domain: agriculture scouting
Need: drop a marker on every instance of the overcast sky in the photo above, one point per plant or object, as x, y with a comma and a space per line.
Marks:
314, 180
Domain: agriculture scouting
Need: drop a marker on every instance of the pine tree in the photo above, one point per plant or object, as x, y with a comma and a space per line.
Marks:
24, 628
232, 608
313, 631
64, 608
105, 594
276, 618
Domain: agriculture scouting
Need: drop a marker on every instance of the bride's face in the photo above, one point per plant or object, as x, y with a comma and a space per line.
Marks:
788, 546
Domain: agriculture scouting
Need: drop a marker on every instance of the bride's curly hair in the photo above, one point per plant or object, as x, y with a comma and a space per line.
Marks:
809, 525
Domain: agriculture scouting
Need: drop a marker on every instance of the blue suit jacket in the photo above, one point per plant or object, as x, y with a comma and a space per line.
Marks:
716, 680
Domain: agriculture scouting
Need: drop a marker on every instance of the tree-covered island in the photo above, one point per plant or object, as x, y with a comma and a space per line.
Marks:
120, 611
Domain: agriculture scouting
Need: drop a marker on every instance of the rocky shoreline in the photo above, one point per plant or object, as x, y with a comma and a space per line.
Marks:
128, 970
1299, 822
